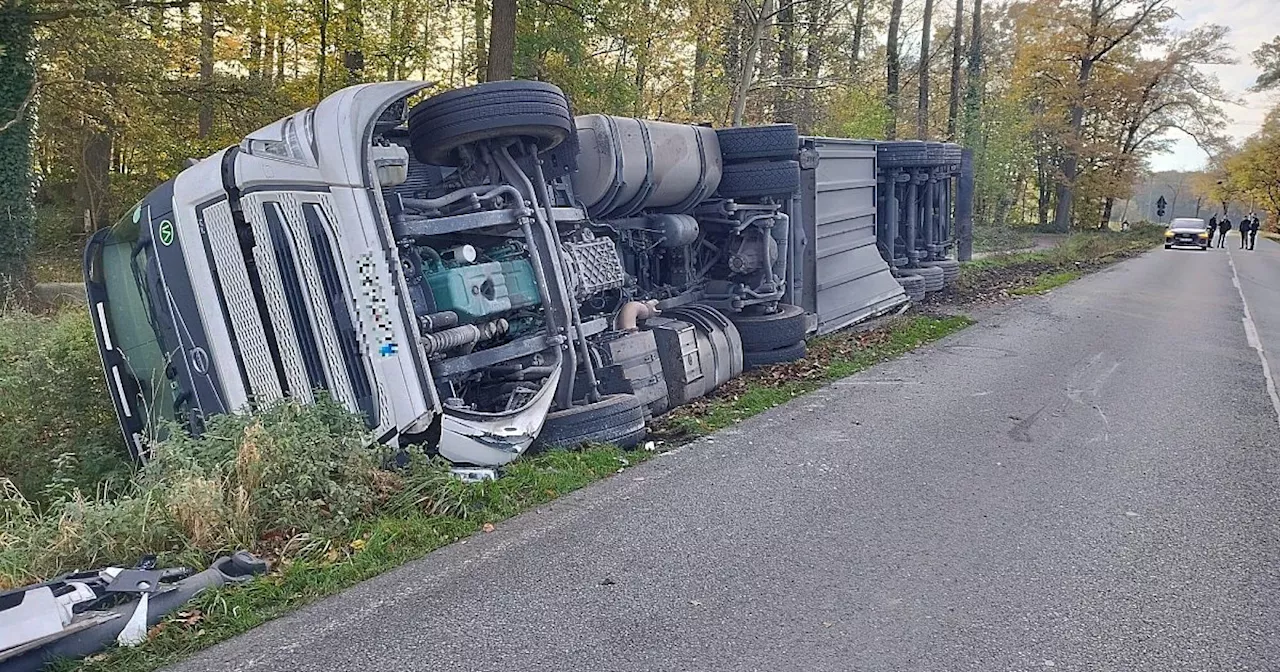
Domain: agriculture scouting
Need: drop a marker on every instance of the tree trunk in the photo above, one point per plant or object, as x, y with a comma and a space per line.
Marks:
783, 100
922, 108
396, 46
323, 57
812, 64
280, 57
480, 15
1044, 201
701, 57
269, 57
502, 41
747, 74
208, 31
1071, 158
93, 171
1108, 206
859, 27
255, 40
891, 71
644, 58
974, 83
353, 41
17, 101
957, 54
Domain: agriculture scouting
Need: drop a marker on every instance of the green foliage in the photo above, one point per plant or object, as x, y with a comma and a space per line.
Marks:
17, 77
856, 113
1001, 238
1267, 58
1253, 173
56, 422
299, 475
1002, 158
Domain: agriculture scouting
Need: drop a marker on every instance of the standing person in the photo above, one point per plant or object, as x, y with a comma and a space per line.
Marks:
1244, 230
1253, 231
1213, 228
1223, 227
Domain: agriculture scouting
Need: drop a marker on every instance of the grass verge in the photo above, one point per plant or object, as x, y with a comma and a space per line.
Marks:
299, 486
1000, 238
1032, 273
1046, 282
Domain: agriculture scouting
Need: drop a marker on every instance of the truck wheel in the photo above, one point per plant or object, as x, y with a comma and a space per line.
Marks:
617, 418
755, 143
771, 331
760, 180
441, 124
913, 285
790, 353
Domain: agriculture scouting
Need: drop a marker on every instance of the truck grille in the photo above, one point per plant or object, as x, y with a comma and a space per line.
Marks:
288, 306
232, 278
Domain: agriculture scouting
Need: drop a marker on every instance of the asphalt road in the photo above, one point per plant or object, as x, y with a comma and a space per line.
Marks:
1085, 481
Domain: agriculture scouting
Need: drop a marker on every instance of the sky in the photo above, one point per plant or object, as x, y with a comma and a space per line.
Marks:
1252, 22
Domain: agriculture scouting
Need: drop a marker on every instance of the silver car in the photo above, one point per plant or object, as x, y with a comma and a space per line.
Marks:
1187, 232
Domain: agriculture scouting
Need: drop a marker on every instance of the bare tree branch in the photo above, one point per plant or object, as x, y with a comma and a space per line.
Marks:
21, 112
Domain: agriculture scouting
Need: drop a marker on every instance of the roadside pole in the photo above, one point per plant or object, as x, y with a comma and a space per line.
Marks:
964, 207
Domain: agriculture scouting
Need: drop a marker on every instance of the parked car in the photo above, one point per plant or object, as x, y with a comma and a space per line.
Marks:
1187, 232
481, 270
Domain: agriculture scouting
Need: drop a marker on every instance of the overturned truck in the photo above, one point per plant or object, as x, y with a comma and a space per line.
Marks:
483, 272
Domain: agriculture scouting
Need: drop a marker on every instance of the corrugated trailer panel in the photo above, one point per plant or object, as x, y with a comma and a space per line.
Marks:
841, 276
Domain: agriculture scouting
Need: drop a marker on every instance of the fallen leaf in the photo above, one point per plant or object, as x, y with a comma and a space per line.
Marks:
487, 527
358, 544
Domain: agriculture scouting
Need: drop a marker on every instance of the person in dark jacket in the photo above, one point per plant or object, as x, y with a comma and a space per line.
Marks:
1244, 231
1223, 227
1253, 231
1213, 228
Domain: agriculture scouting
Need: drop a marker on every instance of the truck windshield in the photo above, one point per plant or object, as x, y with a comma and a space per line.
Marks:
125, 267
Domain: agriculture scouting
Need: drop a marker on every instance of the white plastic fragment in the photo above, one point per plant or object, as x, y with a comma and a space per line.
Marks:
135, 631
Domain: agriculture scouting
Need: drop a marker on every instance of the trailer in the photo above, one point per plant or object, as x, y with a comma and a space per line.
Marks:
482, 272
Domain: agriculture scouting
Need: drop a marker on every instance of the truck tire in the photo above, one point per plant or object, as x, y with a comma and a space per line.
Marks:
950, 269
757, 143
933, 280
618, 419
760, 180
441, 124
902, 154
913, 285
771, 331
761, 358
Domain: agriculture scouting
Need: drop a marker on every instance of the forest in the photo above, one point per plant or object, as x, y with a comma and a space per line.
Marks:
1062, 101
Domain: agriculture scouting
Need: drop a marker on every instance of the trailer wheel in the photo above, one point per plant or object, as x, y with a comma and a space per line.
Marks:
902, 154
441, 124
617, 418
772, 330
913, 285
760, 180
756, 143
933, 280
950, 269
761, 358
